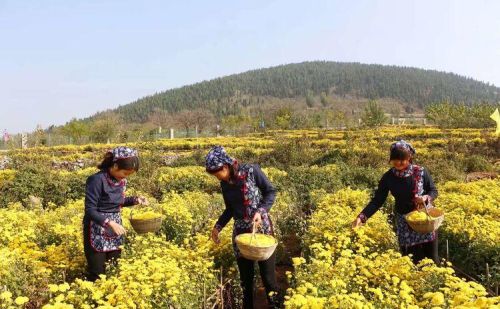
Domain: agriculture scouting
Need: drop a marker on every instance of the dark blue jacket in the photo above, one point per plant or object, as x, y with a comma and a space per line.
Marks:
233, 197
101, 196
402, 190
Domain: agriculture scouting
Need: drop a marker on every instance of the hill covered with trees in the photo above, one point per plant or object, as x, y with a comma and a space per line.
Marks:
310, 80
295, 96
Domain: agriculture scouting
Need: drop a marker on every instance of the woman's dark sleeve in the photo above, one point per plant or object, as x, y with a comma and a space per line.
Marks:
266, 188
130, 201
429, 187
225, 217
378, 199
93, 191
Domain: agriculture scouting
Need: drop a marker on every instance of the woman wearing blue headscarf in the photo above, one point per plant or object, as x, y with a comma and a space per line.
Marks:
104, 198
412, 186
248, 196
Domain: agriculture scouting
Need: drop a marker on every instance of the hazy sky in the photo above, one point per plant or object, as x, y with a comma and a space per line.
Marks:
64, 59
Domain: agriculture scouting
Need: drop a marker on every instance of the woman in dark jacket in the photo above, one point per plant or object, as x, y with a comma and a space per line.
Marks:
248, 196
104, 197
412, 187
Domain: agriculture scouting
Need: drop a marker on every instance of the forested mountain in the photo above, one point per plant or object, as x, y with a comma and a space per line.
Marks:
229, 95
295, 96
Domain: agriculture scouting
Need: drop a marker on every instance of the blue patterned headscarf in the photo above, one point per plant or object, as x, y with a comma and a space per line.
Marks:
404, 145
123, 152
216, 158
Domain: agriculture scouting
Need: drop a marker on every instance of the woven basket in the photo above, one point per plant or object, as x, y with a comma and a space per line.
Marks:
434, 220
142, 226
255, 253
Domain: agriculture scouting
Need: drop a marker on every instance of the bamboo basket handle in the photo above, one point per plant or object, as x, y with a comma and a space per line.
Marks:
427, 212
254, 229
424, 206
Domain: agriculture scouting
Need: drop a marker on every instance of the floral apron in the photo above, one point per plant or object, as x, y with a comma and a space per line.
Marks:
104, 239
407, 237
251, 201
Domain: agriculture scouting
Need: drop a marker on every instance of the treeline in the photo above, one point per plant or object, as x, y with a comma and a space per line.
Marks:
448, 115
112, 127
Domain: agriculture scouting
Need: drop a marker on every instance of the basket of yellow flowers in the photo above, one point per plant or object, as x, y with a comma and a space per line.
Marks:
256, 246
425, 220
145, 220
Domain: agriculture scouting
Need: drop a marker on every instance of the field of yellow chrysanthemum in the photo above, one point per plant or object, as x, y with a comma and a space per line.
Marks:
320, 188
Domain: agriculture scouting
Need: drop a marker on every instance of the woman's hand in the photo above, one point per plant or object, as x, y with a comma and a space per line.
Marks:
215, 235
422, 200
357, 223
141, 200
257, 219
117, 228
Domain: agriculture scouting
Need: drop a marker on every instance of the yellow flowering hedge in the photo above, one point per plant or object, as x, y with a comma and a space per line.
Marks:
152, 273
187, 178
361, 268
259, 143
38, 247
472, 227
41, 252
